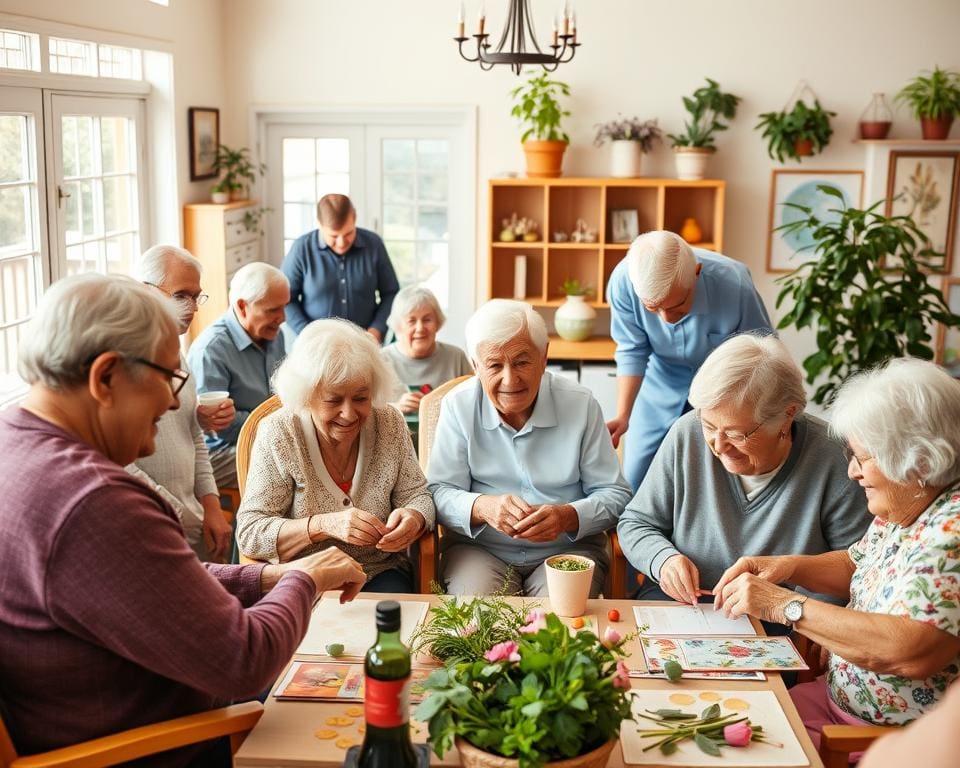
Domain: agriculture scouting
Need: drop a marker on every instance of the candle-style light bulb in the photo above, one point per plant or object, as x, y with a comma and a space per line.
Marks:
460, 21
481, 18
573, 25
556, 29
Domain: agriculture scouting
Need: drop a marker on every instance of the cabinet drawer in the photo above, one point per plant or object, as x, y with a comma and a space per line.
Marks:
240, 255
235, 231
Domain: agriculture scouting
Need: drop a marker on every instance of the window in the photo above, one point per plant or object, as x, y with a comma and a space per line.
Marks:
72, 57
312, 168
117, 61
19, 50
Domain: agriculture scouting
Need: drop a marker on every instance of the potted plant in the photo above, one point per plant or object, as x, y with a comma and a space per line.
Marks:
543, 697
568, 583
575, 319
801, 132
630, 139
693, 147
238, 171
537, 108
934, 101
866, 293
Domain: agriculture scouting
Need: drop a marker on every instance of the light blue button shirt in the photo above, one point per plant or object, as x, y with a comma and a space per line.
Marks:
725, 302
562, 455
225, 358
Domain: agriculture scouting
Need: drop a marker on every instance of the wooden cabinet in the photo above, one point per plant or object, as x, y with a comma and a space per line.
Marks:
223, 238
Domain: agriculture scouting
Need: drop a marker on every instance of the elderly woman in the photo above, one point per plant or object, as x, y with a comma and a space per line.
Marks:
895, 648
107, 618
334, 467
747, 471
522, 466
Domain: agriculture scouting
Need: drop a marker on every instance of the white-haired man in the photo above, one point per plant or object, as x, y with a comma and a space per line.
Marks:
521, 466
238, 353
670, 306
179, 470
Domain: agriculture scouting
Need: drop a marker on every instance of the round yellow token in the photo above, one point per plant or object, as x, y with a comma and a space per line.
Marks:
353, 711
361, 728
344, 743
339, 721
738, 705
681, 698
325, 734
709, 696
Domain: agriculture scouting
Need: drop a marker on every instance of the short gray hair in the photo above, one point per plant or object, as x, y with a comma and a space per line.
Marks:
906, 415
499, 320
657, 261
82, 316
329, 353
751, 370
410, 298
253, 281
155, 262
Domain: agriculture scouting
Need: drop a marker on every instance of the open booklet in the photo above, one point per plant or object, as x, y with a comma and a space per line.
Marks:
678, 620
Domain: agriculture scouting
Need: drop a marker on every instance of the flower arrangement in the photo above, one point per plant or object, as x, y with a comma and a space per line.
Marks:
541, 695
645, 132
709, 731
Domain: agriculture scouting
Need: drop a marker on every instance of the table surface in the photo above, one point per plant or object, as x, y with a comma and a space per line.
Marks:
285, 734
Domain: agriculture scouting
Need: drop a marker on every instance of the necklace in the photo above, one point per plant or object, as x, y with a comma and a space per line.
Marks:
343, 481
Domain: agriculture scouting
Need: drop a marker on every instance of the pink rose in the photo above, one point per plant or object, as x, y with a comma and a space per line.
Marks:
503, 652
621, 678
738, 734
536, 620
611, 637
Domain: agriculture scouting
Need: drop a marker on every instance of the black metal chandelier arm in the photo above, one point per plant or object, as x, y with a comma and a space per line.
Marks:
479, 38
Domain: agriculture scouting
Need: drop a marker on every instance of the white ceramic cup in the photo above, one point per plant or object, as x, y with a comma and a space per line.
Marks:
568, 590
214, 398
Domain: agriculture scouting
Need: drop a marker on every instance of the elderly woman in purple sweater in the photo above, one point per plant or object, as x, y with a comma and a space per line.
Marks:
107, 618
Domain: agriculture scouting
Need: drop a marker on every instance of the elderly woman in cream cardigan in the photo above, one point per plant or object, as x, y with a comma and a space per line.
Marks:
335, 466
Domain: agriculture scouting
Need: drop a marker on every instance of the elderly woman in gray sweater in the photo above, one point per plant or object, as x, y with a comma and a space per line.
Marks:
745, 472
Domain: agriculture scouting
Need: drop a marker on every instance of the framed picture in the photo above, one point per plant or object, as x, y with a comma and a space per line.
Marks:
787, 251
923, 186
624, 225
204, 123
948, 339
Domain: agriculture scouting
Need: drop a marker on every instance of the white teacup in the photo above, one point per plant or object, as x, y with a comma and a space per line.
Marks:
213, 399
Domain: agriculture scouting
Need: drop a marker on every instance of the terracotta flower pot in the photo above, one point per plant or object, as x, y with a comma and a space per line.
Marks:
803, 147
874, 129
544, 158
936, 128
471, 757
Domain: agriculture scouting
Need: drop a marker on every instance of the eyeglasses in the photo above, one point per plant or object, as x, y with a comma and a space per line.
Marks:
734, 436
183, 297
861, 460
178, 378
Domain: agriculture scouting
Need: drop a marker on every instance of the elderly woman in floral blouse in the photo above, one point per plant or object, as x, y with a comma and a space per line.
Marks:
895, 648
335, 466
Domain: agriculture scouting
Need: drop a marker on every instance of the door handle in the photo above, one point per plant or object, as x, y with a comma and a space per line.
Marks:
61, 195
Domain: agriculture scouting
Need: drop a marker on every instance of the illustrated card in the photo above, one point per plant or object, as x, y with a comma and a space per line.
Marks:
659, 650
729, 653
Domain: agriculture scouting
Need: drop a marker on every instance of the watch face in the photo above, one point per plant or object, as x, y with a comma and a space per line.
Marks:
793, 610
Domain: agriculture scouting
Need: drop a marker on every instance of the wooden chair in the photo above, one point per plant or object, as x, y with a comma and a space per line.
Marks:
234, 721
614, 586
423, 552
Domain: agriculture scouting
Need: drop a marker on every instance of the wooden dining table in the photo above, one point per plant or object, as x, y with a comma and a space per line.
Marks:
285, 735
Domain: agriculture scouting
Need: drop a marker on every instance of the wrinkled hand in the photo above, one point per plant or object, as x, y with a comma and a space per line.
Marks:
776, 570
217, 534
410, 402
503, 512
753, 596
680, 579
330, 568
546, 522
404, 526
213, 418
617, 428
353, 526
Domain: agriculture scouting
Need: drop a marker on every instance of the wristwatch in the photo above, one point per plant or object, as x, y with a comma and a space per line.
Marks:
793, 611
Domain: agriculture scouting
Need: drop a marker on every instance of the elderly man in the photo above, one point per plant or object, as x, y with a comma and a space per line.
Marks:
238, 354
522, 467
338, 270
670, 306
179, 470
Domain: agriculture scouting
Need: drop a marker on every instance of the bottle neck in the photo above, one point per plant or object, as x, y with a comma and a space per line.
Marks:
385, 637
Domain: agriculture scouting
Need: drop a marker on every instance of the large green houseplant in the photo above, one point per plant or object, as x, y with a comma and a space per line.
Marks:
801, 132
238, 169
707, 108
866, 293
536, 104
934, 101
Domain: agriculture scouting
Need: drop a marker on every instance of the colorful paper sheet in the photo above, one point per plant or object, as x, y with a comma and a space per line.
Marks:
740, 653
658, 650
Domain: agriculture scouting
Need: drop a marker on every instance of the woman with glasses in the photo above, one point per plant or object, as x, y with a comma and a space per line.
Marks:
745, 472
894, 649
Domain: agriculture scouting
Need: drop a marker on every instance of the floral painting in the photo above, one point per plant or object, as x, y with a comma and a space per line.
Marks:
659, 650
772, 653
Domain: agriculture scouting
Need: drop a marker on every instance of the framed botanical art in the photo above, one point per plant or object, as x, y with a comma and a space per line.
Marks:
204, 128
948, 339
923, 186
787, 251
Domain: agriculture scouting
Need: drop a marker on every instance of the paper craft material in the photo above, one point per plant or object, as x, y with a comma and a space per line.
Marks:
333, 681
658, 650
740, 653
354, 625
762, 707
677, 620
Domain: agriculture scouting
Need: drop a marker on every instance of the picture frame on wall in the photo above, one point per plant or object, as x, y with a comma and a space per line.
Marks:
948, 339
624, 225
924, 186
787, 251
204, 129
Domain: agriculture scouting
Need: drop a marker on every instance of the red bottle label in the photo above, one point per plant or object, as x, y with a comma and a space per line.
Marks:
386, 703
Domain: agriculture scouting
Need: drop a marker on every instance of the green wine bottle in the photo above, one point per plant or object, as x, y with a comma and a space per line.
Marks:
386, 742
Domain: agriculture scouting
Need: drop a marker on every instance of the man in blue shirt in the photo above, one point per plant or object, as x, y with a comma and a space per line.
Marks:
338, 270
238, 354
521, 467
670, 306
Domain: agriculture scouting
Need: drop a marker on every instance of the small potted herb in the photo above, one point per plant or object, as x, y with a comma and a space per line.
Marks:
537, 107
934, 101
575, 319
568, 583
801, 132
707, 107
630, 139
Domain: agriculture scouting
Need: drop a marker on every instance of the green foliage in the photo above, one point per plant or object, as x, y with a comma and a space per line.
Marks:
567, 695
783, 130
573, 287
237, 168
866, 295
568, 563
537, 108
706, 106
933, 96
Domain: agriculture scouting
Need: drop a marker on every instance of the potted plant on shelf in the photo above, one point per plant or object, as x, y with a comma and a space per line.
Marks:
934, 101
537, 108
575, 319
543, 697
695, 144
630, 139
238, 171
866, 294
801, 132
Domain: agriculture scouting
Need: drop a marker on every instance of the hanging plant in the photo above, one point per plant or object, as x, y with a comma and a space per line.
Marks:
800, 131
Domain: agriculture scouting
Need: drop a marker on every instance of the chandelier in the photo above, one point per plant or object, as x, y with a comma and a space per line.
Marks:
518, 43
